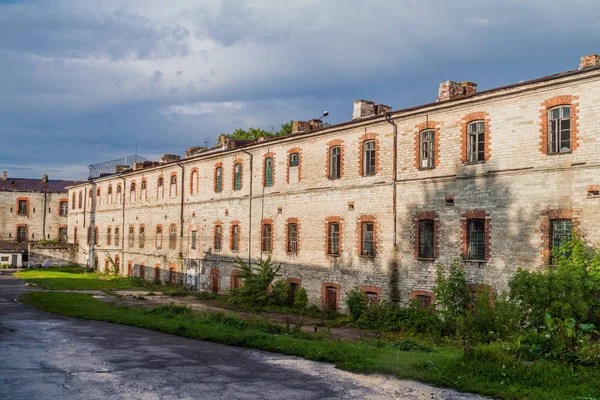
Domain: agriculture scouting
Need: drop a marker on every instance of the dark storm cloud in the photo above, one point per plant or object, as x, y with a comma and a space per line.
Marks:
83, 82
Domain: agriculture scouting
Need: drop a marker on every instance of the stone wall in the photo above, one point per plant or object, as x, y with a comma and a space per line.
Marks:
56, 254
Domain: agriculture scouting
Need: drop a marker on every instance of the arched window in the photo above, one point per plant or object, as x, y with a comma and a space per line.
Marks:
427, 148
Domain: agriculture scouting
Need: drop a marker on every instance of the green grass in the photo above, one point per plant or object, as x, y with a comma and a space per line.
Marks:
77, 278
491, 371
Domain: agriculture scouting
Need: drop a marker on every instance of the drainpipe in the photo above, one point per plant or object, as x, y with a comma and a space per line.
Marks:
123, 222
92, 250
250, 209
388, 118
181, 215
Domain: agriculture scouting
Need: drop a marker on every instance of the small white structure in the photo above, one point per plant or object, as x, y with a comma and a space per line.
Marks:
14, 258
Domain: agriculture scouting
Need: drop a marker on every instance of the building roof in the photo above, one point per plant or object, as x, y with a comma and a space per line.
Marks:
12, 246
35, 185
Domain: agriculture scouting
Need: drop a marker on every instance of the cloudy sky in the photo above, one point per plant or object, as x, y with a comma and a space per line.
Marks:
83, 81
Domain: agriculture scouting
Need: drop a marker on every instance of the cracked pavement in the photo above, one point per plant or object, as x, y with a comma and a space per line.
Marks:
45, 356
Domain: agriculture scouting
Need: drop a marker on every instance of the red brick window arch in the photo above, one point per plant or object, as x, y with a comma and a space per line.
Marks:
218, 236
160, 187
173, 184
268, 169
218, 177
368, 155
427, 145
423, 298
237, 180
367, 236
73, 201
335, 159
294, 165
560, 124
333, 236
292, 234
80, 203
476, 137
132, 191
194, 180
234, 236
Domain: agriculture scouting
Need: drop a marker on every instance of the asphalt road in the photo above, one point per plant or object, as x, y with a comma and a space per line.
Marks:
44, 356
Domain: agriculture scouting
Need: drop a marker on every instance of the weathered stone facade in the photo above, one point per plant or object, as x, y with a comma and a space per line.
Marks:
515, 188
39, 215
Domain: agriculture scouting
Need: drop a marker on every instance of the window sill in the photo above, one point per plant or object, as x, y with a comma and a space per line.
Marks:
367, 256
560, 153
426, 168
266, 251
426, 258
475, 261
291, 253
332, 255
475, 162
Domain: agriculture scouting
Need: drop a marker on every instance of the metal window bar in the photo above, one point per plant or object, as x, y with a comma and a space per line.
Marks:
218, 237
108, 236
62, 234
476, 239
294, 159
476, 138
268, 171
369, 158
235, 238
22, 207
64, 208
335, 162
426, 234
219, 178
237, 177
561, 232
22, 234
193, 240
142, 238
292, 246
427, 148
266, 237
559, 130
110, 167
333, 238
367, 239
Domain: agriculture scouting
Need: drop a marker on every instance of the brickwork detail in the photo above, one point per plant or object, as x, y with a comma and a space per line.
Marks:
194, 180
371, 289
359, 222
329, 220
285, 244
563, 100
264, 170
324, 294
545, 225
233, 224
215, 169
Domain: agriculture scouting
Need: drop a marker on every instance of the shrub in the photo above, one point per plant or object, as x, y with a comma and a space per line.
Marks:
256, 281
175, 292
301, 299
356, 302
280, 292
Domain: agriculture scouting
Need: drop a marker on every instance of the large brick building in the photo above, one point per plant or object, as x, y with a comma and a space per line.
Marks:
489, 178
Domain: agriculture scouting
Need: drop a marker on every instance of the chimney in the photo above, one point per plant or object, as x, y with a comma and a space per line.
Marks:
45, 178
588, 61
138, 165
381, 109
169, 158
299, 126
450, 89
121, 168
4, 175
363, 109
315, 124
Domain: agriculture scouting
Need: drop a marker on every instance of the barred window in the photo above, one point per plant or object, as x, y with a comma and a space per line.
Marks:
335, 162
427, 146
235, 238
218, 237
561, 232
80, 199
108, 236
159, 237
73, 201
476, 141
117, 237
369, 157
269, 171
23, 206
219, 179
367, 239
333, 238
193, 239
144, 190
267, 236
62, 234
142, 237
426, 238
237, 176
559, 130
172, 236
292, 237
476, 239
294, 159
64, 208
131, 237
21, 233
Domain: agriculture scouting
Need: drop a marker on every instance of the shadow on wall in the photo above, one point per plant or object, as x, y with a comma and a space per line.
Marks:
462, 211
